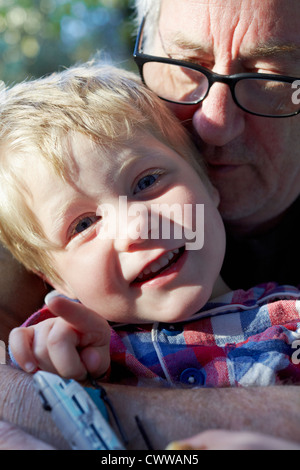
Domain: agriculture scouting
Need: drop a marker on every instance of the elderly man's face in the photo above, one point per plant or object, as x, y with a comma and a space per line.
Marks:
253, 161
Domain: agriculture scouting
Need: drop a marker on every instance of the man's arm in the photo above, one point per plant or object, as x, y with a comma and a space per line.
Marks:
21, 406
13, 438
167, 415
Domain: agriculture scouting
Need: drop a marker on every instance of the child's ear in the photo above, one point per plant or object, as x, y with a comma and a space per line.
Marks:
60, 287
42, 276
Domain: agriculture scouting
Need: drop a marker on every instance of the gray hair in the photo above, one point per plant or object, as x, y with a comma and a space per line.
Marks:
151, 8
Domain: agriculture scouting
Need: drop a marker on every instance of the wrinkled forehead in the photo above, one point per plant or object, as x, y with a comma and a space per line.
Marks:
220, 24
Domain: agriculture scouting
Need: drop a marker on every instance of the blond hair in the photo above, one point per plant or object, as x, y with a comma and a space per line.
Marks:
102, 102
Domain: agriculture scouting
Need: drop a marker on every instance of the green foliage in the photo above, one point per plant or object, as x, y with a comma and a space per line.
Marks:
40, 36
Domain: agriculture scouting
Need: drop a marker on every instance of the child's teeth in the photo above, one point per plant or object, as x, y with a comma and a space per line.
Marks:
163, 261
146, 271
155, 266
158, 264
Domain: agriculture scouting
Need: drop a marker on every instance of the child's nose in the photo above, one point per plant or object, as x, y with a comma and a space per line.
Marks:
134, 228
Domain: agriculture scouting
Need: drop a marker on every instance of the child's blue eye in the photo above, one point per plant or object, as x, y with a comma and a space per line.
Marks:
84, 223
146, 182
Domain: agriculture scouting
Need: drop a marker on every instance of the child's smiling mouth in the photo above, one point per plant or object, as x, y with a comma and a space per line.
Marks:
158, 266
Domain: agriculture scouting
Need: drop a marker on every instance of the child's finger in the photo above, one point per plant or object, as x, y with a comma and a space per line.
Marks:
94, 329
62, 344
40, 347
96, 360
87, 349
20, 344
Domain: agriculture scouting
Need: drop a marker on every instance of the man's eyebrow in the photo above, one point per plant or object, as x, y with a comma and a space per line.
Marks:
188, 44
270, 50
179, 40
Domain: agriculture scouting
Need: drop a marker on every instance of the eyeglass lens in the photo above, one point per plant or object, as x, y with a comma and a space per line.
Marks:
187, 86
173, 82
266, 96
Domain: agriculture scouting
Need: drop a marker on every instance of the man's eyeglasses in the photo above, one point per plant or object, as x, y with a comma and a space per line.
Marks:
184, 83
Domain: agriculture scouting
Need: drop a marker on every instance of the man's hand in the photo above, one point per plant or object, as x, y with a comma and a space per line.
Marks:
14, 438
72, 344
229, 440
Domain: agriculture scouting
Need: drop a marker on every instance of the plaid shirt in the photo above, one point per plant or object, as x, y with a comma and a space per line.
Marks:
244, 338
241, 339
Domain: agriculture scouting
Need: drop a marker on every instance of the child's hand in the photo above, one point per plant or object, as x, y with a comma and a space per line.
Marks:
71, 345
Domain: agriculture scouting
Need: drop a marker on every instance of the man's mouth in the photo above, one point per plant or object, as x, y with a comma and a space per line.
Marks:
160, 265
221, 169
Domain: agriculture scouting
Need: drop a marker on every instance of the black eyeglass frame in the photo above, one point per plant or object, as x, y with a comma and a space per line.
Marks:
231, 80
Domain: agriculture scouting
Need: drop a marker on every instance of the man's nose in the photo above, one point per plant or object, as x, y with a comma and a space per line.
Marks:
218, 120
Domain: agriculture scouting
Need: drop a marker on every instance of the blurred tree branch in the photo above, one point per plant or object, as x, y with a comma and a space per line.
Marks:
38, 37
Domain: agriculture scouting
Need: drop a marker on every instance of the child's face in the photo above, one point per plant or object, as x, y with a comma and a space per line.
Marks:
135, 273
